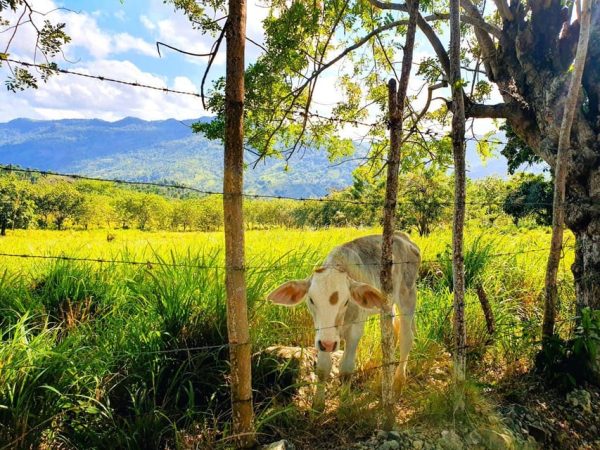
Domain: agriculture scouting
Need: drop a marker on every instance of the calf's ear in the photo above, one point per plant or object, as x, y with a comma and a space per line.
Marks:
290, 293
367, 296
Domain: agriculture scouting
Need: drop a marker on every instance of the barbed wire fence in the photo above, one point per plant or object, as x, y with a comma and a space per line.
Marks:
150, 264
292, 330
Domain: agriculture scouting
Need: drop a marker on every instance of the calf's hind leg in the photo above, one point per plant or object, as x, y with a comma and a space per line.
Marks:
406, 337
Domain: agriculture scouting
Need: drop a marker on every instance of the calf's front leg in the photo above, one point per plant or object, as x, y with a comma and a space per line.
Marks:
348, 361
323, 371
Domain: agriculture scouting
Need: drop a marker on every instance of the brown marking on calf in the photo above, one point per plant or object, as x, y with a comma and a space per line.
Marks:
334, 298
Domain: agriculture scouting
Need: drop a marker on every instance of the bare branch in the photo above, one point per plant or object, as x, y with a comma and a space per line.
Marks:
158, 44
429, 32
214, 51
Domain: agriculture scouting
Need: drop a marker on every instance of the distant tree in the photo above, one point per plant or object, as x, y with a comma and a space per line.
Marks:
486, 197
210, 217
16, 203
424, 201
96, 212
184, 214
529, 195
58, 201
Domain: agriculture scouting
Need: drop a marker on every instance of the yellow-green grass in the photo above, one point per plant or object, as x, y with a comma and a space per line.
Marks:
92, 352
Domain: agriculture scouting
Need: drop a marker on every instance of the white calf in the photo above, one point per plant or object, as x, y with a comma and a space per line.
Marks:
343, 293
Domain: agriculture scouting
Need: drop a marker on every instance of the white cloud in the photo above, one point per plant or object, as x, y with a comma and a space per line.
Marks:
84, 31
68, 96
148, 24
124, 42
120, 14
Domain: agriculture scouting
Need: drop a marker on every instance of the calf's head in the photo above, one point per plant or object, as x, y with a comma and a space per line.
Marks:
328, 292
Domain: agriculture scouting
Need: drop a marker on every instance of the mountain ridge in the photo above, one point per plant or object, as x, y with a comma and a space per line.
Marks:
139, 150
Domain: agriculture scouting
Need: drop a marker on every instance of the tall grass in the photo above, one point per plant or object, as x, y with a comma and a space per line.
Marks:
113, 355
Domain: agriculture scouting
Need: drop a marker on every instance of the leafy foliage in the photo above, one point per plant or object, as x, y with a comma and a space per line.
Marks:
530, 195
569, 363
516, 151
50, 40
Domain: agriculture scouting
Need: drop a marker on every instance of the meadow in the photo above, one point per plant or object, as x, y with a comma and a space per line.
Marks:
127, 352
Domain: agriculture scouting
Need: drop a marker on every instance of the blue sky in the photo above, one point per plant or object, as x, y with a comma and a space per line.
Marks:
118, 39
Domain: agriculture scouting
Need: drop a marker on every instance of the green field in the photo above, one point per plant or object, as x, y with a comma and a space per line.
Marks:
110, 355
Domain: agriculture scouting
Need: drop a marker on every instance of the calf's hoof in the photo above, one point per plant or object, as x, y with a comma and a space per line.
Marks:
346, 377
399, 383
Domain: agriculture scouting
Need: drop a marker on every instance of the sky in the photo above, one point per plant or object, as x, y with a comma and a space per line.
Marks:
118, 39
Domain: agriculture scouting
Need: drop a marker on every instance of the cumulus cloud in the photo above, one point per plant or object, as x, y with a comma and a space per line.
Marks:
69, 96
148, 24
83, 29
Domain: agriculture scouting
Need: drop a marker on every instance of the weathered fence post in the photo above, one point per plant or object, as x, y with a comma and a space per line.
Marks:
391, 193
397, 101
458, 149
233, 183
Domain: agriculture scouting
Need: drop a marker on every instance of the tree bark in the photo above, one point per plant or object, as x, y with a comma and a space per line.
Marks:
487, 310
391, 192
233, 182
3, 227
560, 177
458, 149
586, 268
397, 101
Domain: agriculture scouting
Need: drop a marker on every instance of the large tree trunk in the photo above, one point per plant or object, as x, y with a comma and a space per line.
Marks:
586, 268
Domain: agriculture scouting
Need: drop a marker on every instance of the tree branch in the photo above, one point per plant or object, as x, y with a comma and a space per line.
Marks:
158, 44
497, 111
476, 22
429, 32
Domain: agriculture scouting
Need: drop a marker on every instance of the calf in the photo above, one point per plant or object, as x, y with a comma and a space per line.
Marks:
344, 292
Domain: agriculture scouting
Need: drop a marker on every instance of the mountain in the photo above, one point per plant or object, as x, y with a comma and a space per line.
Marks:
166, 150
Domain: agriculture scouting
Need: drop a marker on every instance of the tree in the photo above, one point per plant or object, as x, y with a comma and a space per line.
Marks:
58, 201
16, 203
529, 195
425, 199
487, 197
584, 11
523, 48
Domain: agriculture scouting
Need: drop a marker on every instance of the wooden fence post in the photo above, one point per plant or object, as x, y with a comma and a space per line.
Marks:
397, 101
391, 193
458, 149
233, 183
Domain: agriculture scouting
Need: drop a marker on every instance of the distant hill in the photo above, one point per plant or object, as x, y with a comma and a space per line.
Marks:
166, 150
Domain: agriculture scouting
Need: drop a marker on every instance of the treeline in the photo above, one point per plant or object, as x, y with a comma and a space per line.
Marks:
425, 202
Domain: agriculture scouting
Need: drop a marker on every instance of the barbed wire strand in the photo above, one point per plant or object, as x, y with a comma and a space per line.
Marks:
11, 168
149, 264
